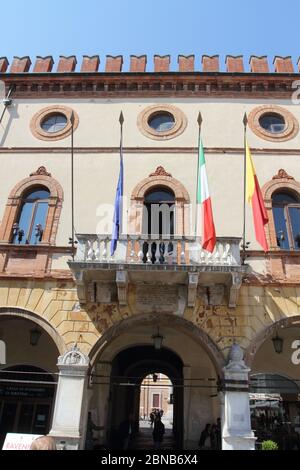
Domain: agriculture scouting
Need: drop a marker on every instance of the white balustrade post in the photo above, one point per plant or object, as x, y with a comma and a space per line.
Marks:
141, 253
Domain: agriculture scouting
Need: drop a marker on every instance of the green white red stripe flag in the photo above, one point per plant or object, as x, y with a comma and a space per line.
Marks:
203, 198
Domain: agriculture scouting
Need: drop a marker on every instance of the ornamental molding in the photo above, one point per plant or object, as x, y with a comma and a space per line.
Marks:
41, 171
73, 357
282, 174
160, 171
99, 85
291, 123
38, 119
180, 122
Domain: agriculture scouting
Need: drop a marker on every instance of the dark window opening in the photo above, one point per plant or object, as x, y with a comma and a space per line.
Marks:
286, 213
161, 121
272, 122
29, 228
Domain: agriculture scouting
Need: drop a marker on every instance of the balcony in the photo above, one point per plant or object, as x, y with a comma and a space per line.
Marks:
174, 261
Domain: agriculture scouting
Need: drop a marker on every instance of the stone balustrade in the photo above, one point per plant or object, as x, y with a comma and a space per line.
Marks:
141, 249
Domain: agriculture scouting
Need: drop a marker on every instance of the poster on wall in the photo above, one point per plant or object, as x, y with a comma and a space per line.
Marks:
14, 441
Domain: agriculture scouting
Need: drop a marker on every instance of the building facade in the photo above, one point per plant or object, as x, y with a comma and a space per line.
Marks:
77, 326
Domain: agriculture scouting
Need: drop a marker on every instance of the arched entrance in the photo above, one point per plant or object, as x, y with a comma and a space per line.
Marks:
129, 368
274, 358
28, 375
125, 354
26, 398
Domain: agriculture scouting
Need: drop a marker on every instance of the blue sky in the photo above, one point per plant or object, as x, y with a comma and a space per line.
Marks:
65, 27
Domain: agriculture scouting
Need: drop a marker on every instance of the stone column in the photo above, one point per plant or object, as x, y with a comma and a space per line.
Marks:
101, 397
187, 418
236, 423
70, 411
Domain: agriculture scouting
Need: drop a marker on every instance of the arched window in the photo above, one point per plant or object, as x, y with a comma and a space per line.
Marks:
159, 212
286, 213
31, 222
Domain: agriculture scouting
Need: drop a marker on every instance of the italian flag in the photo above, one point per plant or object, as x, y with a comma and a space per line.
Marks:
254, 197
203, 198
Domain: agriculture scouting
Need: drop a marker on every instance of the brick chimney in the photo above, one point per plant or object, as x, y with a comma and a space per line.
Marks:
234, 64
66, 64
259, 64
43, 64
113, 63
186, 63
20, 65
90, 63
138, 63
161, 63
210, 63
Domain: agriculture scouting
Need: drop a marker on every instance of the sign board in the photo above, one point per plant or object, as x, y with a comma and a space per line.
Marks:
19, 441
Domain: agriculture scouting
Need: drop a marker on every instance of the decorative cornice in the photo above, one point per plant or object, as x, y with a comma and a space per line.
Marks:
140, 84
282, 174
160, 171
41, 171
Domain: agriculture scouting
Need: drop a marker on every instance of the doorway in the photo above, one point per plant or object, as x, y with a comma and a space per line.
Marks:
25, 401
129, 369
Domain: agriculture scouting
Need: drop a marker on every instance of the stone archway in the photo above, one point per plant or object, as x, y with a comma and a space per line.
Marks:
267, 333
201, 364
160, 178
274, 358
11, 312
186, 326
30, 372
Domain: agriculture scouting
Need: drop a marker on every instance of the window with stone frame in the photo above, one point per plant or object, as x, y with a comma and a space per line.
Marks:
286, 213
30, 225
33, 210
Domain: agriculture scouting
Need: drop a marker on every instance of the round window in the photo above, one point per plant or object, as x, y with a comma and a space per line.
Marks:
272, 122
161, 122
54, 123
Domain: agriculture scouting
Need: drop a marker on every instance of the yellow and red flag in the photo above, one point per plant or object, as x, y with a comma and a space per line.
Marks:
254, 197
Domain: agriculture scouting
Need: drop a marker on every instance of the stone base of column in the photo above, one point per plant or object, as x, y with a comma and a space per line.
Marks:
238, 442
65, 442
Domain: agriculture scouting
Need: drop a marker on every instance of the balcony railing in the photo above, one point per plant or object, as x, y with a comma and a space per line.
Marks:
140, 249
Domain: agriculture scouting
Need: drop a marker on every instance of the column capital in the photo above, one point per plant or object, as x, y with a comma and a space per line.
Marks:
73, 362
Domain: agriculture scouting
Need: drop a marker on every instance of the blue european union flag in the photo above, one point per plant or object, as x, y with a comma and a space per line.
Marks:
117, 220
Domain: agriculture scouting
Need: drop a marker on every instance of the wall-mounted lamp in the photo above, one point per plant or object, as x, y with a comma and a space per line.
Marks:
278, 344
157, 340
35, 336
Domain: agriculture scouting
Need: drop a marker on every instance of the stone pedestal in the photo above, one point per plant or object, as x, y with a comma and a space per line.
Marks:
236, 423
70, 411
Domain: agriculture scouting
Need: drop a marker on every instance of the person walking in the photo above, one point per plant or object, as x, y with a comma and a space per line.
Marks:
152, 417
204, 441
158, 432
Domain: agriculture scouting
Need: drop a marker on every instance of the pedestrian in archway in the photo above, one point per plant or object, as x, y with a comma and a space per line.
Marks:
158, 432
152, 417
205, 438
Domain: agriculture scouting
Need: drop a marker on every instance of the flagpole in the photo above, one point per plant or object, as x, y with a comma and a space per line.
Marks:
72, 185
199, 120
121, 121
245, 122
